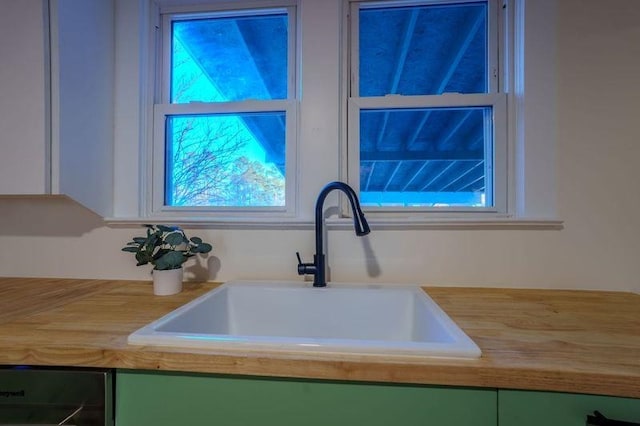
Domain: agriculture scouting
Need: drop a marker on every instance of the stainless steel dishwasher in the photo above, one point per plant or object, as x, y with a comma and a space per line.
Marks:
51, 396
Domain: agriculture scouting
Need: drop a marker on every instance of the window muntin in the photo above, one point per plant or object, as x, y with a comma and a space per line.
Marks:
423, 106
225, 128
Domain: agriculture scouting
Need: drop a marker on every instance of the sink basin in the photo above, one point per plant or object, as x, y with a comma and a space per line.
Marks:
283, 316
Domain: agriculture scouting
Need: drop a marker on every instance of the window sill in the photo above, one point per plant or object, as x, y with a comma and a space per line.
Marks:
406, 223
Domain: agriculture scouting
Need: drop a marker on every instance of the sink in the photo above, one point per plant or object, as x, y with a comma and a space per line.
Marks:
293, 316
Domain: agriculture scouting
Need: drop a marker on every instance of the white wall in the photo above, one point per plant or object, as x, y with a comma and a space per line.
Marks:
598, 105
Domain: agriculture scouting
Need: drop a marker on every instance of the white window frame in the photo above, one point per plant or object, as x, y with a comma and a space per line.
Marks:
496, 170
530, 83
163, 109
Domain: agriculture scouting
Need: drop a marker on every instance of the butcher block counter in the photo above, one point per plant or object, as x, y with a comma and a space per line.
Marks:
554, 340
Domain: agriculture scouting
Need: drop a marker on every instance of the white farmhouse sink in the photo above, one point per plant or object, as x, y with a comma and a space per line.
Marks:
280, 316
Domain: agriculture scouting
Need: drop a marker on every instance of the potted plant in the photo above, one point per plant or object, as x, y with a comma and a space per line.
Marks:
166, 248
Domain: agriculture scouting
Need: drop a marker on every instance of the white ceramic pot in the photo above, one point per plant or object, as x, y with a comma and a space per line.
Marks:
167, 282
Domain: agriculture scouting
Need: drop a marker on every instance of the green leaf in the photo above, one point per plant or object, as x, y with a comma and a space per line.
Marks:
161, 253
139, 240
196, 240
165, 228
130, 249
203, 248
152, 241
143, 258
174, 239
170, 260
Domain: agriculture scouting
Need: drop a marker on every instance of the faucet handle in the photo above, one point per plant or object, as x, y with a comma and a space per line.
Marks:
305, 268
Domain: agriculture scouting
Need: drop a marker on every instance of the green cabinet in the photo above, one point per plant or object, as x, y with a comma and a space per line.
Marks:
150, 398
164, 398
528, 408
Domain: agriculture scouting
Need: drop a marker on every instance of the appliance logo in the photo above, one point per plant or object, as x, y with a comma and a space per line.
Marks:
10, 394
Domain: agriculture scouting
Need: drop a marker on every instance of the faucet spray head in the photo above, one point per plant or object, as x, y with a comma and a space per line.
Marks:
360, 223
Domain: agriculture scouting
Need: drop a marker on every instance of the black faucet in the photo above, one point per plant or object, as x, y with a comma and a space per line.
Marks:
318, 267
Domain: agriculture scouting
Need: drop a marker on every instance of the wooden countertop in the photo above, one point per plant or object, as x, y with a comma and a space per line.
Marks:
571, 341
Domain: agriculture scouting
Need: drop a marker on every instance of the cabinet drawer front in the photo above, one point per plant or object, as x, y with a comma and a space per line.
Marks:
144, 398
524, 408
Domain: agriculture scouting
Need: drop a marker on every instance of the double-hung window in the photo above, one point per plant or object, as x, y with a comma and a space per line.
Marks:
224, 117
426, 116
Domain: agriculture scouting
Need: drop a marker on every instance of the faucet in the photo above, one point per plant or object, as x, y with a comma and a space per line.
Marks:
318, 267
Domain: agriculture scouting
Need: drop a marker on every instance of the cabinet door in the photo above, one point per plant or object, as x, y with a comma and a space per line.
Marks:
82, 86
56, 99
147, 398
524, 408
24, 132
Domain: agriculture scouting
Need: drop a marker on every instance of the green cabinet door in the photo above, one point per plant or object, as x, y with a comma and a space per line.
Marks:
527, 408
152, 398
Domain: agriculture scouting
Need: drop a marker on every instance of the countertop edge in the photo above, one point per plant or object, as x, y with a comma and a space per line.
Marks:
438, 373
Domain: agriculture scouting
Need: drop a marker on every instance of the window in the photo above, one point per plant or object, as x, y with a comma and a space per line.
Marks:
427, 124
352, 106
224, 119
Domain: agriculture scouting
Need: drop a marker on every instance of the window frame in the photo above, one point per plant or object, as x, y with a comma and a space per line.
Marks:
530, 82
163, 108
496, 98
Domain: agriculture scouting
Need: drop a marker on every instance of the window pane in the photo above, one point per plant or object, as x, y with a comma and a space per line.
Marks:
423, 50
426, 157
229, 58
226, 160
